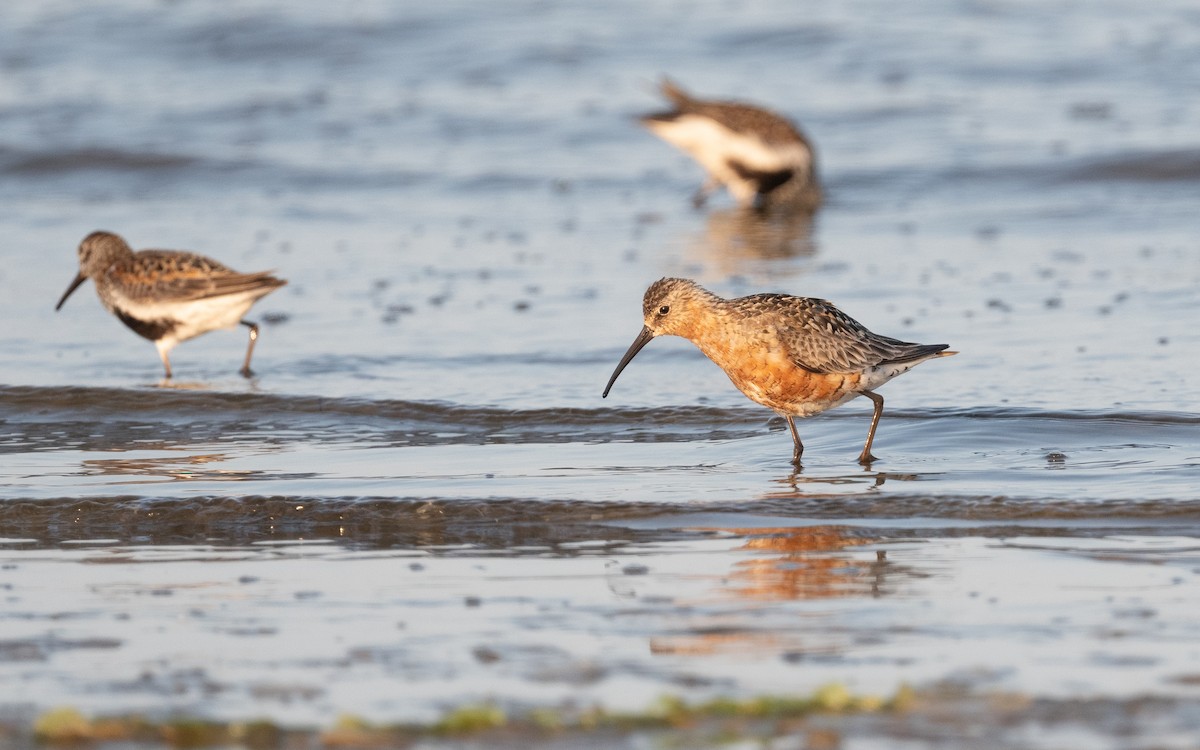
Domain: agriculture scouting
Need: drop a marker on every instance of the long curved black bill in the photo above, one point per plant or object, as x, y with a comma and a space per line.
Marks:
643, 338
74, 285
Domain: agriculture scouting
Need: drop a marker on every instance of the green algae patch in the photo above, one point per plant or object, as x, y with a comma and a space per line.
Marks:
67, 726
728, 717
61, 726
471, 720
548, 720
904, 699
188, 733
830, 698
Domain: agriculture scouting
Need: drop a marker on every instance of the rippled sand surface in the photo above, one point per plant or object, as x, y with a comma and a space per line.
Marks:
422, 502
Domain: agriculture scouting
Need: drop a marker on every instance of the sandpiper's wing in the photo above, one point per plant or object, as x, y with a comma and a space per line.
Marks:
823, 339
169, 275
743, 118
736, 116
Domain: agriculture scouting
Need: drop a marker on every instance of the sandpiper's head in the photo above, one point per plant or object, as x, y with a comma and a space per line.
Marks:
97, 252
668, 308
670, 305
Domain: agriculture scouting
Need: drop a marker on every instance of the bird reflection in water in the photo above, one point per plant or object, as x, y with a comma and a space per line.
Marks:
789, 564
801, 564
732, 237
180, 468
814, 562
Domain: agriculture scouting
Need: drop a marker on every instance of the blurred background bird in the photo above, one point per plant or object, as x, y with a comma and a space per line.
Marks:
760, 157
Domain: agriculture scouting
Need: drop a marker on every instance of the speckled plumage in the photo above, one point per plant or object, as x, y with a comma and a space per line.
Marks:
737, 116
759, 156
795, 355
169, 296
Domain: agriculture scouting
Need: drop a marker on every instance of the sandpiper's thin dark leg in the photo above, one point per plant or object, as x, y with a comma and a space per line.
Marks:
701, 195
865, 457
246, 371
799, 446
166, 363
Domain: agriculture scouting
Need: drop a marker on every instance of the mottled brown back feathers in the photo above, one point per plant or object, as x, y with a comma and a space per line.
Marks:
816, 335
737, 116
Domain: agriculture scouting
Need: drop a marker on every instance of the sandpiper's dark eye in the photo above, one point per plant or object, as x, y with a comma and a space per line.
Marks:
664, 309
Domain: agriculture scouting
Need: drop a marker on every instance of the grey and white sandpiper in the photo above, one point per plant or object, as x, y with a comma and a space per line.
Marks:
761, 157
169, 296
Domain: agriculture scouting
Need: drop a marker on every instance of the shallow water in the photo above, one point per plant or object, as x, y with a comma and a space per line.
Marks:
422, 500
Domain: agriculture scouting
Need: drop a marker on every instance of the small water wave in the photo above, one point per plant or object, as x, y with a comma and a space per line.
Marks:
38, 418
33, 402
501, 523
1082, 415
89, 418
94, 158
1142, 166
263, 36
786, 37
1165, 166
519, 525
100, 159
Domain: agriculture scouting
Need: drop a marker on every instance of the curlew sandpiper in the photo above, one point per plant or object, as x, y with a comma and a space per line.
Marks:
797, 356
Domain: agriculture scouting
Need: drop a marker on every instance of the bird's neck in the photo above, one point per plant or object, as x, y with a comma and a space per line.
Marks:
717, 332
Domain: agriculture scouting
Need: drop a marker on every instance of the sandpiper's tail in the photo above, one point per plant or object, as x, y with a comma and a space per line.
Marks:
920, 352
257, 284
674, 93
680, 103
